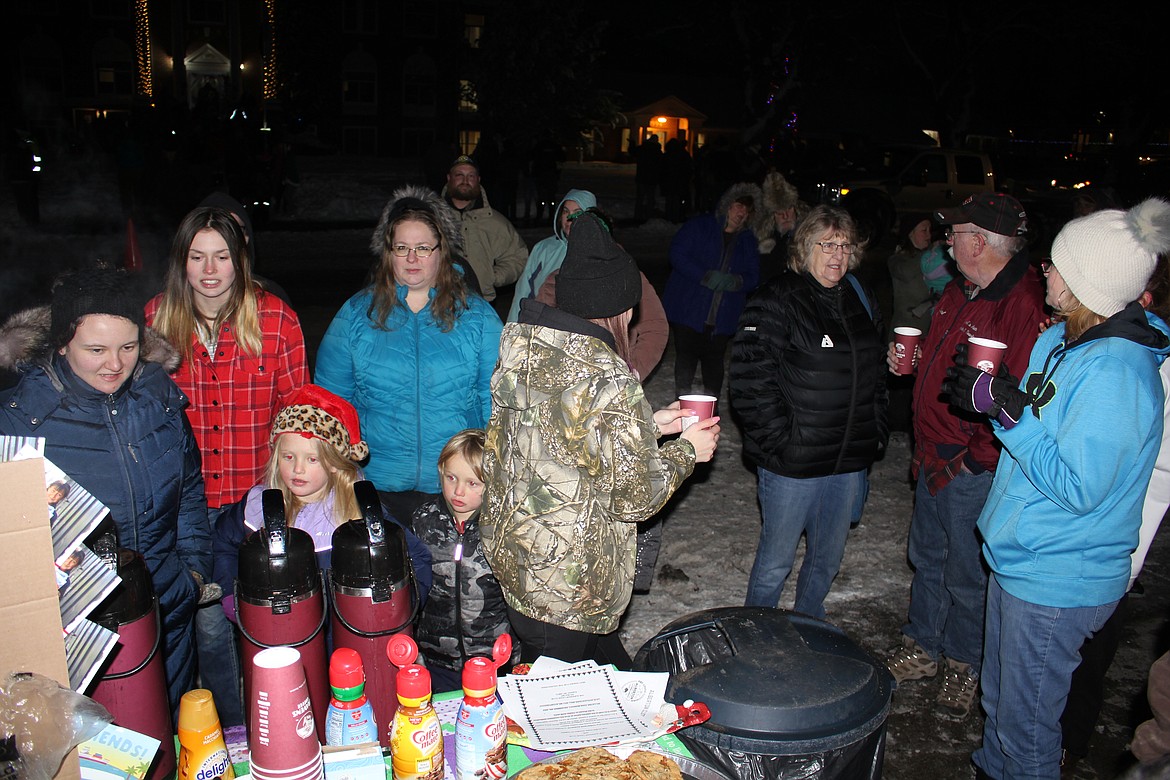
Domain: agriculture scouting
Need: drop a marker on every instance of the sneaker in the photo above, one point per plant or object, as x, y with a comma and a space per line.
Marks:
911, 662
959, 687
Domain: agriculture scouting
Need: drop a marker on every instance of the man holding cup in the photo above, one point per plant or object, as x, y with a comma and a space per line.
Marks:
999, 296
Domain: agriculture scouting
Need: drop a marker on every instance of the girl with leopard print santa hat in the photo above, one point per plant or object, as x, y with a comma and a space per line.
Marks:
316, 448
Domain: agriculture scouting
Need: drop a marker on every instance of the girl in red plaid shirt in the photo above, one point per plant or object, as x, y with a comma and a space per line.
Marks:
243, 357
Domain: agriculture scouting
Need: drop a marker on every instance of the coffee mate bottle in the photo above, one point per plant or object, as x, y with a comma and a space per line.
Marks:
350, 720
202, 752
481, 730
416, 738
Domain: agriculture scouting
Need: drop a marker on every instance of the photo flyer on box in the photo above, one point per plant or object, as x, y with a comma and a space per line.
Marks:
90, 581
86, 649
73, 511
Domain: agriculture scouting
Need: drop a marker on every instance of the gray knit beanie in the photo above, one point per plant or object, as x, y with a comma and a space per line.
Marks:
1106, 258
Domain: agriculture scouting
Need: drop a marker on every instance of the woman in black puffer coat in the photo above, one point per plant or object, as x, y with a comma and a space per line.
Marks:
115, 424
808, 383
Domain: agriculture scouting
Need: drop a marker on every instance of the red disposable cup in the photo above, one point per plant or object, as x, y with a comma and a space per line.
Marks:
985, 354
314, 771
905, 344
282, 735
704, 405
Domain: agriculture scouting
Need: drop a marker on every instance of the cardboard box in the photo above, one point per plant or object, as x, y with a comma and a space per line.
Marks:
32, 640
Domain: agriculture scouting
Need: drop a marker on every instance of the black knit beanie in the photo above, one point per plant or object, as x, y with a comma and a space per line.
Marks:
99, 291
598, 278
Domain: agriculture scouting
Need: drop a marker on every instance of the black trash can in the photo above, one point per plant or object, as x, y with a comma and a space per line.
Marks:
790, 696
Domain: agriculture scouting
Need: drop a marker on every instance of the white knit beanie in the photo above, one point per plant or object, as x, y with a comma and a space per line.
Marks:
1106, 258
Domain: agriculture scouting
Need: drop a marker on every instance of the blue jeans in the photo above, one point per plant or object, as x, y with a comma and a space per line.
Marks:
219, 656
950, 581
219, 662
1032, 651
821, 509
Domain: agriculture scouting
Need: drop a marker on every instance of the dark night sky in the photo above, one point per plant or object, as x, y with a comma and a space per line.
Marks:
991, 66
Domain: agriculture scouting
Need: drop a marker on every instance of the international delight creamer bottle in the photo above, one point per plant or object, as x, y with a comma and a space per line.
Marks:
481, 730
416, 739
202, 754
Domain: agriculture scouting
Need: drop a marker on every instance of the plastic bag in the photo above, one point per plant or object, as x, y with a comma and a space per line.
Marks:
41, 722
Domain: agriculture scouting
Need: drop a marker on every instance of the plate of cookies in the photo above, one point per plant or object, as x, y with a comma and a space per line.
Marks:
596, 763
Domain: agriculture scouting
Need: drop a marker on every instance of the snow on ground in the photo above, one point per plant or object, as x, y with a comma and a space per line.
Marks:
711, 526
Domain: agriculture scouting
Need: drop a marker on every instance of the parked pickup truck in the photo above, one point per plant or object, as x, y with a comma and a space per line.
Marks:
900, 181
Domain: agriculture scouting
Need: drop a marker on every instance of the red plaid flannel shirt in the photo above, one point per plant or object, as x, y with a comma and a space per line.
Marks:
234, 397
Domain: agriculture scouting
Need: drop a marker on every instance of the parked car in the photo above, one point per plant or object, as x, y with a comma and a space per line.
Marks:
901, 180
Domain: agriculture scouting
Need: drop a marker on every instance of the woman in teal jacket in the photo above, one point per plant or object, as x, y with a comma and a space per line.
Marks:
549, 253
1080, 436
413, 351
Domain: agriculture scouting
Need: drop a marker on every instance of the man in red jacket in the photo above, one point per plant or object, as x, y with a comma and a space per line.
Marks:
1000, 296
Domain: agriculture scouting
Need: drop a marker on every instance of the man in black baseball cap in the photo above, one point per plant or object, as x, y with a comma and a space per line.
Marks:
491, 246
999, 213
999, 296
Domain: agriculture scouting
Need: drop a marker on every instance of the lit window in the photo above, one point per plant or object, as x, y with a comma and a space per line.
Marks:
472, 29
467, 97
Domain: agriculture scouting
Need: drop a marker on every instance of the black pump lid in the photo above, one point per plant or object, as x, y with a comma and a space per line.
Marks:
371, 552
132, 598
277, 560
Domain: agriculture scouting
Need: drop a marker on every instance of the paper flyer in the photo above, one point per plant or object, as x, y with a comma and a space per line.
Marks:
116, 753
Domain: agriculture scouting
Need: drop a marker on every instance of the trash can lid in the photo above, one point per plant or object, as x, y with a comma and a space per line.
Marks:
769, 674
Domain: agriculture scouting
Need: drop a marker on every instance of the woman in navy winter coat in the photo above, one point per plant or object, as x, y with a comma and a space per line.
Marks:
115, 424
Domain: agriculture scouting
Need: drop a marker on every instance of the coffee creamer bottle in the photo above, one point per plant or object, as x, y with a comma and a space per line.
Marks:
202, 752
350, 720
416, 738
481, 730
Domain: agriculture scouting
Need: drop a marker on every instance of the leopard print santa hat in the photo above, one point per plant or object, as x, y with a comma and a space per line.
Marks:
316, 413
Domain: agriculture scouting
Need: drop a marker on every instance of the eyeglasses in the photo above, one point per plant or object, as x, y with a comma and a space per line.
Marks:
950, 234
422, 251
1046, 266
828, 247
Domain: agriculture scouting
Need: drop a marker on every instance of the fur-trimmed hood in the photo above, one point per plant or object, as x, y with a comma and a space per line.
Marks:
421, 198
24, 340
737, 191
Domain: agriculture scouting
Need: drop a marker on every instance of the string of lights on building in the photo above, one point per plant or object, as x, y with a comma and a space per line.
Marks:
270, 74
145, 80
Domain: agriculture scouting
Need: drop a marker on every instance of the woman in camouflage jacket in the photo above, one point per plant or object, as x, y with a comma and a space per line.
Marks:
572, 461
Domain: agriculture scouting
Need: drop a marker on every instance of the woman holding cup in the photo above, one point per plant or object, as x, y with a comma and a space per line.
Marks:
572, 462
1080, 436
808, 381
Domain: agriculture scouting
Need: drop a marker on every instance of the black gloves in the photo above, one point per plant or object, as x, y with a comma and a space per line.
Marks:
976, 391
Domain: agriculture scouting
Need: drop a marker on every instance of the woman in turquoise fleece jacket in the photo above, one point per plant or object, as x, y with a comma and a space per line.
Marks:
549, 253
1080, 437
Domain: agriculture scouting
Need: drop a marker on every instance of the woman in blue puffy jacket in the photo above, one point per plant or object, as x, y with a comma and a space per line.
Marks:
413, 351
1080, 435
115, 424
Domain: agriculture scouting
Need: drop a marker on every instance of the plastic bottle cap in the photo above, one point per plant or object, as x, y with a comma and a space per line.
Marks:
401, 650
197, 711
347, 678
479, 677
414, 685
